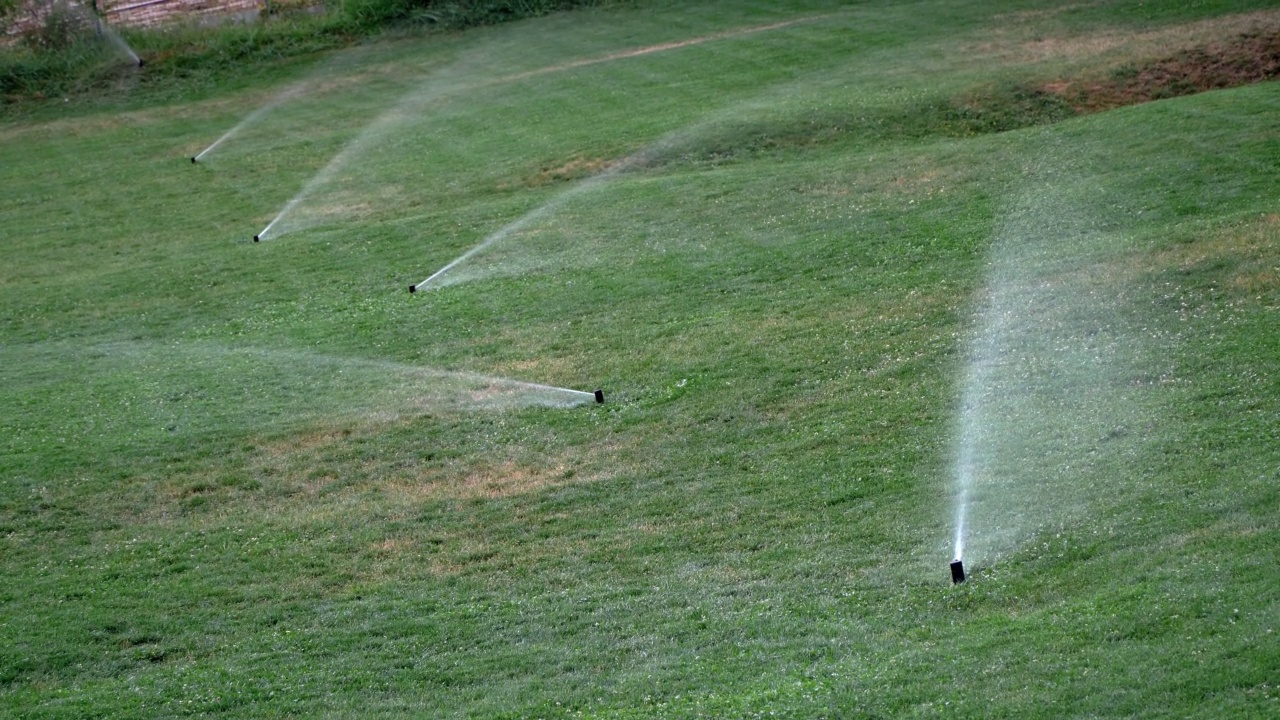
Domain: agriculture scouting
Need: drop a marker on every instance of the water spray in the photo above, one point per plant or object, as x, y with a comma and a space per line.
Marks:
288, 94
547, 208
467, 254
598, 394
104, 31
220, 140
1037, 339
412, 105
962, 511
263, 235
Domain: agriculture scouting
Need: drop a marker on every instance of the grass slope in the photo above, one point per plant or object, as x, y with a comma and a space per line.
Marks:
253, 480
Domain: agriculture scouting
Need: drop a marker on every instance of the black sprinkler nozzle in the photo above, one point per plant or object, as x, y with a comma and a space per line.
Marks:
193, 159
413, 289
599, 396
957, 571
255, 238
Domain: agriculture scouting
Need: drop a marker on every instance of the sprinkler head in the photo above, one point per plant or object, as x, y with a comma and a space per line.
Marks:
193, 159
141, 62
600, 396
255, 238
413, 289
957, 571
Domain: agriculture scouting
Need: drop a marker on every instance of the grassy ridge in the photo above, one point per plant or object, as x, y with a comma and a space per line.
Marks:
230, 488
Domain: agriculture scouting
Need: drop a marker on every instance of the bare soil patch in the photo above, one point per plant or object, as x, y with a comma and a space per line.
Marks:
1105, 70
1249, 57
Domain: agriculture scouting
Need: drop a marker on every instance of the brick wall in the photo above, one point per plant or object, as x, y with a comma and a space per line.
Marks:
133, 13
144, 13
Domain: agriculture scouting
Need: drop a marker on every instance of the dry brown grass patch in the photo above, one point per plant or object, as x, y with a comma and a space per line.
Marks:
1245, 260
303, 443
394, 546
575, 168
1250, 251
489, 481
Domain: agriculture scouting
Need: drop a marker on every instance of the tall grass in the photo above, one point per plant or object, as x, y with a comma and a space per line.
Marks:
458, 14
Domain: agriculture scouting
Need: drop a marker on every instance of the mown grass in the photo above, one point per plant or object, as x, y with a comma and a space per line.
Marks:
238, 480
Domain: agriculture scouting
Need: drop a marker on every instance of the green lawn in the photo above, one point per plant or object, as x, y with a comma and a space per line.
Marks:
263, 479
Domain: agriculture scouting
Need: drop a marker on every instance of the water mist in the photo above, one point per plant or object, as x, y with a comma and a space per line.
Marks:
1047, 392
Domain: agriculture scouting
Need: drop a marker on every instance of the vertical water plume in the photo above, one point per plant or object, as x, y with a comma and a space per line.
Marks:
1047, 400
